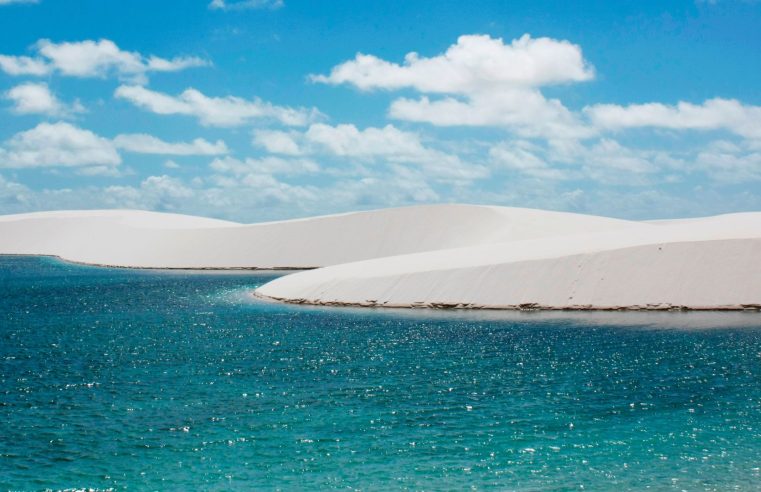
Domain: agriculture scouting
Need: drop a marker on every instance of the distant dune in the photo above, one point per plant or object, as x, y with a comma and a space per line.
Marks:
458, 256
138, 239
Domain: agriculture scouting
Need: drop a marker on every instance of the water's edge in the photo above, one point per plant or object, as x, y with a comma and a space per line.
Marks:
189, 268
532, 306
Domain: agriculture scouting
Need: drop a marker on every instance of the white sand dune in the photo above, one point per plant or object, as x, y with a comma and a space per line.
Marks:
711, 263
129, 238
436, 256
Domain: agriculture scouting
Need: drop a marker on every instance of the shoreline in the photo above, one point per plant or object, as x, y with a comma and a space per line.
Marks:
459, 257
511, 307
127, 267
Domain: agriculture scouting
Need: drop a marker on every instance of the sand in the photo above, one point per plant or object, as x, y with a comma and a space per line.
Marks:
138, 239
712, 263
453, 256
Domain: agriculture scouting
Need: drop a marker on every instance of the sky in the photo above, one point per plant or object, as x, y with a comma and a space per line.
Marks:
255, 110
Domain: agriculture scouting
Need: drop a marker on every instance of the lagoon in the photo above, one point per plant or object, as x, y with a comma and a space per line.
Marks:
130, 379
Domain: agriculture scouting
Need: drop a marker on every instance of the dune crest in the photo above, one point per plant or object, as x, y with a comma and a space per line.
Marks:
139, 239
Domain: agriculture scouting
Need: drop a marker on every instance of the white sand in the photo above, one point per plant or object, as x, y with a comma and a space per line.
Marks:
129, 238
438, 256
710, 263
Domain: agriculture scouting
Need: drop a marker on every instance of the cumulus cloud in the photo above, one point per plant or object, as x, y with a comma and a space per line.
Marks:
92, 59
148, 144
226, 111
278, 142
36, 98
58, 144
245, 4
713, 114
344, 140
475, 64
526, 111
487, 83
348, 140
387, 144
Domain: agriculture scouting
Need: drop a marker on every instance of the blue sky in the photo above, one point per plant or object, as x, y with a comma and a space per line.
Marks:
261, 109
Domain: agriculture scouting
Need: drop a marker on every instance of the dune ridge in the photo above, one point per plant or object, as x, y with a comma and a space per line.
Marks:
139, 239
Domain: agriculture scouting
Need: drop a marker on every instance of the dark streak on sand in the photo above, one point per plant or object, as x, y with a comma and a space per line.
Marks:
532, 306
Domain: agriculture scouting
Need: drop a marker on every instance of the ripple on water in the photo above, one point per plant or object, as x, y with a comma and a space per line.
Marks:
128, 379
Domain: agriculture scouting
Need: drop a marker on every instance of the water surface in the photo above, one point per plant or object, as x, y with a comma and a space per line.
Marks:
155, 380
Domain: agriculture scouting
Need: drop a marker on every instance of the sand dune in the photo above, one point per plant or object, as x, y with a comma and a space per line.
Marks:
711, 263
436, 256
129, 238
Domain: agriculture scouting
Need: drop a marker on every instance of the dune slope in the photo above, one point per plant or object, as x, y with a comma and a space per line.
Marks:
129, 238
711, 263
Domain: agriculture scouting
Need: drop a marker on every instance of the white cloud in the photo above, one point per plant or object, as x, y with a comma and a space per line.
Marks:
148, 144
475, 64
489, 83
13, 196
257, 182
36, 98
609, 161
9, 2
348, 140
23, 65
110, 171
731, 163
387, 144
245, 4
166, 185
214, 111
526, 111
522, 157
713, 114
266, 165
267, 188
57, 144
344, 140
603, 161
397, 186
92, 59
176, 64
154, 193
277, 142
170, 164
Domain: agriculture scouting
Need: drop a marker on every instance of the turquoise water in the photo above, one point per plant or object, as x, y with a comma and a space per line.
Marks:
177, 381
